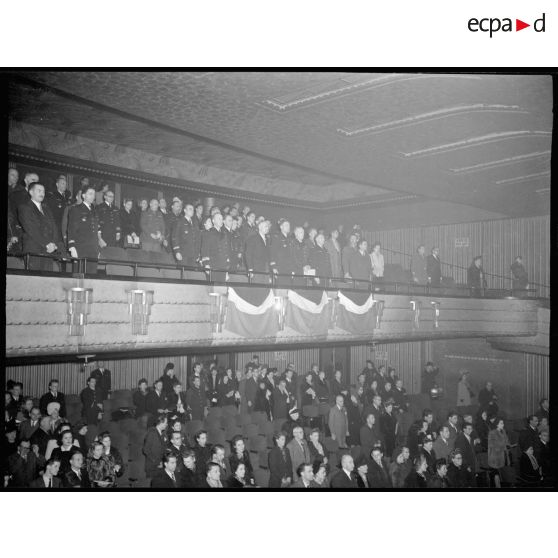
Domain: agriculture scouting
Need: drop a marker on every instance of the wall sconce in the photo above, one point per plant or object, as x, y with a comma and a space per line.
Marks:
78, 302
139, 308
415, 306
281, 307
379, 308
218, 310
436, 308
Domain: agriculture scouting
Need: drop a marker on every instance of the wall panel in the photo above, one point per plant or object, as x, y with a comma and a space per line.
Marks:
537, 380
498, 241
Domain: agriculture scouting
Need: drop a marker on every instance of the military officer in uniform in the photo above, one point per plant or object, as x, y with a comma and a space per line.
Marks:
282, 260
83, 230
214, 249
301, 255
109, 220
40, 233
58, 200
186, 237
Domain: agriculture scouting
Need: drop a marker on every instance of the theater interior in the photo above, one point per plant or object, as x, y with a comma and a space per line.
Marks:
459, 162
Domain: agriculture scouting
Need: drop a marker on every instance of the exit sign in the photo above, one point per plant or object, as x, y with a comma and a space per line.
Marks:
462, 242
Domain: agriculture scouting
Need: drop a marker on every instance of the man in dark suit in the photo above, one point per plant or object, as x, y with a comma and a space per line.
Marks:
465, 444
156, 400
53, 396
104, 383
109, 220
345, 478
155, 446
77, 476
24, 465
281, 400
434, 268
166, 477
257, 252
305, 475
196, 400
370, 435
186, 238
29, 426
530, 436
378, 475
49, 478
282, 260
250, 391
215, 248
18, 193
58, 200
83, 230
91, 401
40, 232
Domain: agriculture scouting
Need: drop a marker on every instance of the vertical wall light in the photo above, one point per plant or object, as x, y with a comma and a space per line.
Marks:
379, 308
415, 307
139, 309
436, 308
78, 300
218, 310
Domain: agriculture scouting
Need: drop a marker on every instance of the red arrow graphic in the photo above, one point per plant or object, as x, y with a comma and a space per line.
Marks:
519, 25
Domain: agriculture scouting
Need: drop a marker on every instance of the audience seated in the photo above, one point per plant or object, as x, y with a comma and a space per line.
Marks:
157, 446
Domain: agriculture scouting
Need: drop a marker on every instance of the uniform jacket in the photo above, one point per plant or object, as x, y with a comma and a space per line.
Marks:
83, 228
319, 260
186, 240
57, 204
257, 253
214, 249
39, 229
475, 277
109, 223
281, 253
89, 400
359, 266
151, 222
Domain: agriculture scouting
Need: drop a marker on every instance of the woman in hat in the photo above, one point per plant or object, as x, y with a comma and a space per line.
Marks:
361, 467
53, 411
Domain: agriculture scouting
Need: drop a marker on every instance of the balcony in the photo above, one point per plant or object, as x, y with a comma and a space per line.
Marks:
160, 308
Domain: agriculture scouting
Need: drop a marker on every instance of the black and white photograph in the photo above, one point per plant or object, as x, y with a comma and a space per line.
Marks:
275, 280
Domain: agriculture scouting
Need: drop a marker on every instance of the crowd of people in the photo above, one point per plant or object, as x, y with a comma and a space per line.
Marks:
325, 432
232, 238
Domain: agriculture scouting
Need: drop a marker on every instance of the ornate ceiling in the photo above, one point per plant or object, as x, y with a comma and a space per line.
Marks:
478, 140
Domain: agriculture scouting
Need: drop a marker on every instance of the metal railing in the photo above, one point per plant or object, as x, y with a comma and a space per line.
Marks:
255, 278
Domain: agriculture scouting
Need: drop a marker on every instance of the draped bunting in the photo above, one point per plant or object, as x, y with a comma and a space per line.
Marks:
356, 312
251, 312
307, 316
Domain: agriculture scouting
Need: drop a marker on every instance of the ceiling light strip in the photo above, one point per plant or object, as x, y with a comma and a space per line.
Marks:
501, 162
381, 81
429, 116
475, 141
522, 178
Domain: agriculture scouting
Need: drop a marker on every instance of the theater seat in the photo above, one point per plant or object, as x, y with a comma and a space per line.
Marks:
117, 254
12, 262
261, 476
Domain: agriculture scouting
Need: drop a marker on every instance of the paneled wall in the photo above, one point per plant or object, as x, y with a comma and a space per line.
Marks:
537, 380
499, 242
72, 377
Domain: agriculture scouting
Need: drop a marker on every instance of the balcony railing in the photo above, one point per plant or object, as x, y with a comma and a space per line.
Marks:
67, 266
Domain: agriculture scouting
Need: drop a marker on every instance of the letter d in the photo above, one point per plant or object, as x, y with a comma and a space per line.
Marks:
536, 24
